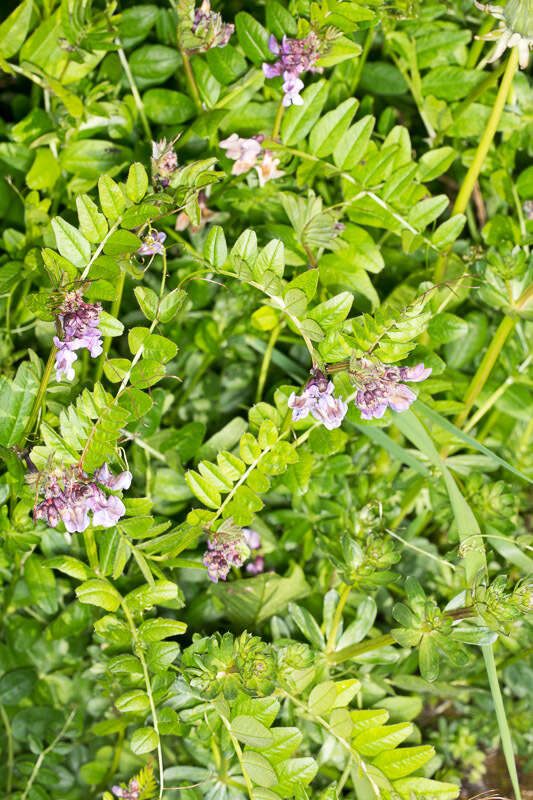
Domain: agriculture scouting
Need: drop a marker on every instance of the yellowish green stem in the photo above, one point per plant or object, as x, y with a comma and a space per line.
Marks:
476, 166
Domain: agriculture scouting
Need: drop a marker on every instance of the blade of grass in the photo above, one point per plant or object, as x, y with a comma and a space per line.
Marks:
379, 437
446, 425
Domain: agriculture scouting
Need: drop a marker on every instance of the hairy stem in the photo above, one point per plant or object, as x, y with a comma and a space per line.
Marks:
267, 357
189, 74
43, 386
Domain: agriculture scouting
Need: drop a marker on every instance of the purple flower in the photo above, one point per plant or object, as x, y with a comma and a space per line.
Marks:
317, 399
104, 476
65, 358
256, 567
294, 57
79, 323
217, 566
244, 152
292, 87
132, 792
152, 244
70, 496
253, 540
380, 387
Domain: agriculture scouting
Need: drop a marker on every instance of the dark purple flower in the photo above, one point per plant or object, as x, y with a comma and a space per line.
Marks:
209, 27
294, 57
152, 244
317, 399
380, 387
79, 323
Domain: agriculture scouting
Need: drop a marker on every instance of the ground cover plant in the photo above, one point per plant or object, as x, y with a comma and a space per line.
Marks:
266, 409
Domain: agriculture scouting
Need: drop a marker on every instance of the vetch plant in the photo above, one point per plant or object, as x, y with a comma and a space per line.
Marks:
265, 404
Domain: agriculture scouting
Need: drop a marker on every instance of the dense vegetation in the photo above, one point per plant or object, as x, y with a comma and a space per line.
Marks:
266, 404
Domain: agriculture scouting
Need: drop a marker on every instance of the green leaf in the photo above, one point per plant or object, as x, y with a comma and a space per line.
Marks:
41, 582
17, 684
253, 38
137, 183
16, 401
215, 248
99, 593
322, 698
328, 132
112, 200
298, 120
14, 29
401, 762
425, 788
202, 489
71, 243
428, 658
144, 740
251, 732
93, 224
351, 148
122, 243
384, 737
331, 313
155, 630
168, 107
307, 625
148, 301
259, 769
435, 163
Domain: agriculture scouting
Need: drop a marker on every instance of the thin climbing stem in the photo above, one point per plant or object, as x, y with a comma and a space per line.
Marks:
42, 756
189, 74
10, 752
332, 638
37, 403
115, 309
277, 121
476, 166
369, 38
135, 92
267, 357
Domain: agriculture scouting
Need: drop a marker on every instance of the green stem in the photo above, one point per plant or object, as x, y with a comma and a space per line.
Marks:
477, 44
505, 733
43, 386
135, 93
10, 756
191, 81
90, 549
485, 368
362, 60
115, 308
266, 361
332, 638
42, 756
140, 655
277, 121
476, 166
355, 650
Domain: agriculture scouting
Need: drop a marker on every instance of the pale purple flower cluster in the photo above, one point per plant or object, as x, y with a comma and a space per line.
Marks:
79, 323
209, 27
132, 792
70, 495
294, 57
318, 400
152, 243
380, 387
164, 162
528, 209
246, 153
253, 540
229, 547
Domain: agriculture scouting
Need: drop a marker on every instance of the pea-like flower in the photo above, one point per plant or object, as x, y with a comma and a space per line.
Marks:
210, 29
153, 244
380, 387
294, 57
79, 323
268, 170
131, 792
318, 400
244, 152
70, 495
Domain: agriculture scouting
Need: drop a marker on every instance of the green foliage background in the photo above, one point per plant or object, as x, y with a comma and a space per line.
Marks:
386, 651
